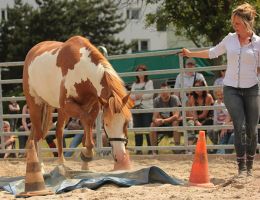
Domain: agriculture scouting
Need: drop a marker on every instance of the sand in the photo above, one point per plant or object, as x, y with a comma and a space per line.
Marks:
221, 169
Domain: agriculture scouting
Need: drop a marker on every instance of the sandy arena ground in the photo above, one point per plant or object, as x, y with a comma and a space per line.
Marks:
221, 170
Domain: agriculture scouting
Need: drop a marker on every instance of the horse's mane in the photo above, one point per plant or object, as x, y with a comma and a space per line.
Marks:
115, 83
118, 90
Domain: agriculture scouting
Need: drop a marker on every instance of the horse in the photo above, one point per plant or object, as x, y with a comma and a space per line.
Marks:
77, 80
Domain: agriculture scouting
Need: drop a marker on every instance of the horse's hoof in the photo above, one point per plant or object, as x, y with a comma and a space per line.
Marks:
85, 158
61, 161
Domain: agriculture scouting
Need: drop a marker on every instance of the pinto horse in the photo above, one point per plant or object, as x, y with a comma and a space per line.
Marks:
77, 80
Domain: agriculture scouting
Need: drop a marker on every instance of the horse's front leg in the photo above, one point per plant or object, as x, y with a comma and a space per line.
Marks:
62, 120
88, 153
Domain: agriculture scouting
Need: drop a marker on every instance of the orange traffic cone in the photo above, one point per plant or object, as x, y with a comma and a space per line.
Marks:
34, 182
199, 175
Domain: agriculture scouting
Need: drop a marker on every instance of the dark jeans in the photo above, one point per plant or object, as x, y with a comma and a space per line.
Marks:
142, 120
22, 141
243, 107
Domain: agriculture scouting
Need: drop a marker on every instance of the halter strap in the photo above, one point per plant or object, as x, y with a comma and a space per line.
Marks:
116, 139
119, 140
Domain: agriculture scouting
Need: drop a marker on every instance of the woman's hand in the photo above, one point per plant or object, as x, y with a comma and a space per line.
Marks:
185, 52
223, 133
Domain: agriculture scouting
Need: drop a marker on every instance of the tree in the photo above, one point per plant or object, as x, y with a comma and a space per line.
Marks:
204, 22
58, 20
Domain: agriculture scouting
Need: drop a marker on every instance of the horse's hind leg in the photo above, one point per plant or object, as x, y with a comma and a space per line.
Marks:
36, 131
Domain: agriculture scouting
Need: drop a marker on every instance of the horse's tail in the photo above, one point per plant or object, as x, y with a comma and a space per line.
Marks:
46, 118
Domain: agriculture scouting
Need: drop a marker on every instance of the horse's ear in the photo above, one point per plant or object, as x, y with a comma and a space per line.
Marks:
114, 105
127, 100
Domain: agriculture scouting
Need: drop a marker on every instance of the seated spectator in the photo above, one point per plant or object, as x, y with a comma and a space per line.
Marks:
165, 100
188, 77
219, 80
226, 136
26, 126
219, 118
202, 98
14, 108
192, 139
9, 141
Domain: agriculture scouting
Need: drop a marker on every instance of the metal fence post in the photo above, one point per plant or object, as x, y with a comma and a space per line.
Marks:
99, 133
1, 113
183, 103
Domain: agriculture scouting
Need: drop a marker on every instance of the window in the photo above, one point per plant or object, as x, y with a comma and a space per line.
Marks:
139, 45
133, 13
3, 14
144, 45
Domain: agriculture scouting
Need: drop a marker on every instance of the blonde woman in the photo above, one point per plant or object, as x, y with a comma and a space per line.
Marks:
241, 91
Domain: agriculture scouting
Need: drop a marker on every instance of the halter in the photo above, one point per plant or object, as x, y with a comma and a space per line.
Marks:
125, 140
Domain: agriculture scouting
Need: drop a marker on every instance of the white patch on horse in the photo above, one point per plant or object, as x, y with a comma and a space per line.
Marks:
84, 70
114, 127
45, 78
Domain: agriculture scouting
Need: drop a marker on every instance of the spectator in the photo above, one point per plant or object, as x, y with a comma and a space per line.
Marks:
26, 126
160, 119
219, 116
188, 77
192, 139
9, 141
219, 80
14, 108
142, 100
226, 136
202, 98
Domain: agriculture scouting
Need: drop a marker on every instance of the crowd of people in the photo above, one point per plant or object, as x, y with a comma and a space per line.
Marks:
174, 117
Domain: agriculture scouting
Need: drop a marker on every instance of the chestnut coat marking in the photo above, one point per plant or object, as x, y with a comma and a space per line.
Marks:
45, 76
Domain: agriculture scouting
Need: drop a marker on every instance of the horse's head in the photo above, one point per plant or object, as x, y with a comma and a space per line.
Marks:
116, 116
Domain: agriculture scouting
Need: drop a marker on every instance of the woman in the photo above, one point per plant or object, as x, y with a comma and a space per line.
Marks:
14, 108
241, 91
145, 101
202, 98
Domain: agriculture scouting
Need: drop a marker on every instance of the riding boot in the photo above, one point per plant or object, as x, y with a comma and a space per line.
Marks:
241, 167
249, 165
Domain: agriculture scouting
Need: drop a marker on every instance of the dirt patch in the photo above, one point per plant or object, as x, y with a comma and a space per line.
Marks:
222, 169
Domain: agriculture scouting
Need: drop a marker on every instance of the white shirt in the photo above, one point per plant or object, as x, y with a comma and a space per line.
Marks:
188, 81
220, 115
242, 62
147, 99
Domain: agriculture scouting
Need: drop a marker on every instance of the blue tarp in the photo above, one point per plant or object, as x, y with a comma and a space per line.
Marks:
62, 179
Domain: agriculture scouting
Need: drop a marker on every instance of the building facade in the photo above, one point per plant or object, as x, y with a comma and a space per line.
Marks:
142, 38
